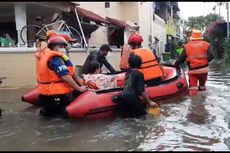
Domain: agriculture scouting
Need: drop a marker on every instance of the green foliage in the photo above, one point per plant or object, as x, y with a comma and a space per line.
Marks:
212, 33
200, 22
226, 54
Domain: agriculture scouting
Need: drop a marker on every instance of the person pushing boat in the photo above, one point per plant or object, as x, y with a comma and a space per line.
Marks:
131, 104
56, 78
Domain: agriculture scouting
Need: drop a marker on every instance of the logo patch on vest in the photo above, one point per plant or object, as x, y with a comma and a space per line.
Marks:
63, 67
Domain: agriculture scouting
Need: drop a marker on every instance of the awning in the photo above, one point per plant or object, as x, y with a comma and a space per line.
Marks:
90, 15
118, 23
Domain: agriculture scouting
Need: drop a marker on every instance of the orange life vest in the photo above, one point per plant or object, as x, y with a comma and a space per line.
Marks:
197, 55
90, 84
48, 81
150, 66
124, 60
40, 50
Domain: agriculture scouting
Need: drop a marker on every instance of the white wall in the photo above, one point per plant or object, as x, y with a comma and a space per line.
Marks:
100, 35
159, 31
144, 22
119, 10
132, 11
129, 11
146, 11
181, 32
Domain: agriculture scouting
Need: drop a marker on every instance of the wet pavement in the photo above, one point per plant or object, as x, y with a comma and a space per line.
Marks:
201, 123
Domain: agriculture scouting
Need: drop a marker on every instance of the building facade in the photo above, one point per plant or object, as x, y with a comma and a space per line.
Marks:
141, 14
105, 23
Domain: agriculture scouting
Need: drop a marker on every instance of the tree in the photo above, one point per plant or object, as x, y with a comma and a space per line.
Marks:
212, 33
200, 22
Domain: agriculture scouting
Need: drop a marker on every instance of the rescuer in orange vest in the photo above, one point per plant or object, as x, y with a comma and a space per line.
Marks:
197, 54
152, 70
56, 78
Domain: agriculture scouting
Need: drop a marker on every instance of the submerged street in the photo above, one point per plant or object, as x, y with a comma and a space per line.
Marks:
201, 123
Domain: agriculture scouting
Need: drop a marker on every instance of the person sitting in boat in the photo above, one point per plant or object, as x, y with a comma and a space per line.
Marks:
101, 81
100, 57
134, 86
55, 77
197, 53
152, 70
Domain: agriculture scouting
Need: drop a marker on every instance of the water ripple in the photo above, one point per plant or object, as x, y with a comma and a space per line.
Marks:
198, 124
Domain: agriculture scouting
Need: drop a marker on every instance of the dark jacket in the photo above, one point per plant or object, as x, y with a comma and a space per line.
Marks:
96, 56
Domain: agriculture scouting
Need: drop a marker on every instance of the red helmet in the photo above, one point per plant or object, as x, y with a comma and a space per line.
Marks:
135, 38
55, 40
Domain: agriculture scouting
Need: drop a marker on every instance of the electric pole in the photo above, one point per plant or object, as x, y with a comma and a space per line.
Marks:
227, 7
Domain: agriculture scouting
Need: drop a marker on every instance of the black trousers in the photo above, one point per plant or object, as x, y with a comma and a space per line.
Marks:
131, 106
52, 106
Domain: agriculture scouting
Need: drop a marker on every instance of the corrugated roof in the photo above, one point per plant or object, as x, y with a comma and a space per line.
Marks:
91, 15
118, 23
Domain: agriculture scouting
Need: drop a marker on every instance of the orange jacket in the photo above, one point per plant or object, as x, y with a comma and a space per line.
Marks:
150, 66
48, 81
90, 84
124, 60
197, 54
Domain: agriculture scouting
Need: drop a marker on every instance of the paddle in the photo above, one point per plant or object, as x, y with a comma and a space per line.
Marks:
155, 111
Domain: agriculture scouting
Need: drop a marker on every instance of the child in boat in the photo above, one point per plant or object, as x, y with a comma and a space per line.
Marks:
102, 81
131, 105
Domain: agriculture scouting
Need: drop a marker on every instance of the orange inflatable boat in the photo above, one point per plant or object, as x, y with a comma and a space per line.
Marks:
101, 103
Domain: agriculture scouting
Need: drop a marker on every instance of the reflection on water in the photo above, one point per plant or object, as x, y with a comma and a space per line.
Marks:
201, 123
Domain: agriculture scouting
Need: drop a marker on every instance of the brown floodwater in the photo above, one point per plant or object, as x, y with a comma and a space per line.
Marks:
201, 123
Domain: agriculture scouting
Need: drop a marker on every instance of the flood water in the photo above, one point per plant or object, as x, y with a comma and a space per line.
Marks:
186, 124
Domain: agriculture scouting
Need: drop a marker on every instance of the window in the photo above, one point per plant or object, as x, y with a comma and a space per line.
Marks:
107, 4
116, 37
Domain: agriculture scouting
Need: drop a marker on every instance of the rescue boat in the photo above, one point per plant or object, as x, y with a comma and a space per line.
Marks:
102, 103
32, 96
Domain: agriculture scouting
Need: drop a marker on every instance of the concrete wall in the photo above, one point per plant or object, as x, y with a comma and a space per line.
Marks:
159, 31
125, 11
33, 10
144, 22
100, 36
158, 26
181, 32
130, 12
19, 68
